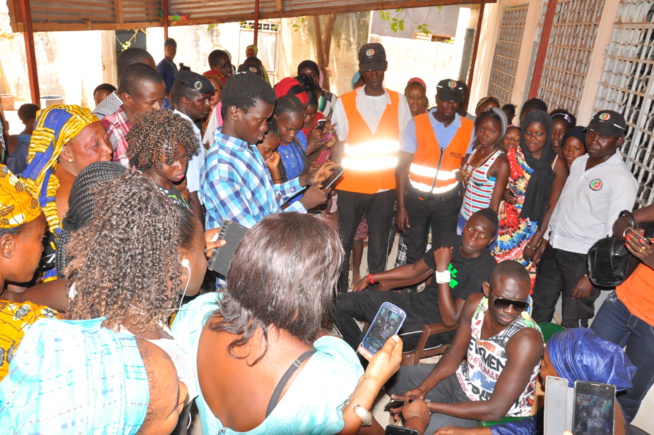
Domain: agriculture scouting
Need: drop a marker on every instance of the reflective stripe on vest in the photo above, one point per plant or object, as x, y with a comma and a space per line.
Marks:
423, 173
370, 159
371, 156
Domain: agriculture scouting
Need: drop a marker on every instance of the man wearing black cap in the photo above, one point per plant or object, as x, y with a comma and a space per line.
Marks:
191, 93
251, 67
369, 121
433, 146
599, 186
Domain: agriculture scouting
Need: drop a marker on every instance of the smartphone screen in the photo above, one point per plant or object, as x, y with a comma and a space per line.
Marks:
335, 175
594, 408
321, 124
387, 322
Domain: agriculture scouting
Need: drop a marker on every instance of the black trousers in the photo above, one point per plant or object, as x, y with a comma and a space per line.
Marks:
558, 273
364, 305
426, 211
378, 209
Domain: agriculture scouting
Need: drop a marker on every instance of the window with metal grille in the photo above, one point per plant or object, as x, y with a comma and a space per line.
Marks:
507, 51
627, 87
568, 54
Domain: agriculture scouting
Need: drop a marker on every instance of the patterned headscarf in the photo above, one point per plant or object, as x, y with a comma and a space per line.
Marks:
579, 354
17, 206
212, 74
77, 375
55, 126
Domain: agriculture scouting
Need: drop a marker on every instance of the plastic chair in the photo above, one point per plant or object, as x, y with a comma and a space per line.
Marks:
422, 350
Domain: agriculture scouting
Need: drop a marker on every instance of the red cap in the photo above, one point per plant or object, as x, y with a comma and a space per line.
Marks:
290, 86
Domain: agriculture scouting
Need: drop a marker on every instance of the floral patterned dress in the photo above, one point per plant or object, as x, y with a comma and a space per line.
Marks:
515, 232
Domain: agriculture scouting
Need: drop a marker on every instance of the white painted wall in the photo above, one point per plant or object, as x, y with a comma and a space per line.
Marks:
69, 63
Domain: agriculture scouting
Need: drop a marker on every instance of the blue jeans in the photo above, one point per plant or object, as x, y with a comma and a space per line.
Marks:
615, 323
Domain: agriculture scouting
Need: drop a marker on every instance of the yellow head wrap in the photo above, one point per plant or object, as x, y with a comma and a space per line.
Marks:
17, 206
55, 126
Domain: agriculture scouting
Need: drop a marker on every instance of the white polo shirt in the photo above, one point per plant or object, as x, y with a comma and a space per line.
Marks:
590, 203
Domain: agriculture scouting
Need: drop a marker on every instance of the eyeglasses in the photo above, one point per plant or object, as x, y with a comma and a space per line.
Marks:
502, 303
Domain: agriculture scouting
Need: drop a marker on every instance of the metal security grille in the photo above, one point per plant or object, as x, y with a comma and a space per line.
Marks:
627, 87
507, 51
569, 52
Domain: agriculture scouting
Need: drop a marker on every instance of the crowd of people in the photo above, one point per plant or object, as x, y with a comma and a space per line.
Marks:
111, 323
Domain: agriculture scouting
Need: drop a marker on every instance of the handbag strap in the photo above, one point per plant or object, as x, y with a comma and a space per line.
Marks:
284, 380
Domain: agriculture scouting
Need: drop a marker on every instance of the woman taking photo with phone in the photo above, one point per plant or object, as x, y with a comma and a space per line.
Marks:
279, 371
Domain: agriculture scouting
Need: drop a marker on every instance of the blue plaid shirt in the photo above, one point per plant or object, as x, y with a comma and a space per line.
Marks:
236, 184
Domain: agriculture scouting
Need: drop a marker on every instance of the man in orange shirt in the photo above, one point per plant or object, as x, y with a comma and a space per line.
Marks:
369, 121
626, 317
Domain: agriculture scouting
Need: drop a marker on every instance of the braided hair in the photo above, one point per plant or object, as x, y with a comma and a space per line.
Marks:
156, 133
288, 104
125, 264
81, 204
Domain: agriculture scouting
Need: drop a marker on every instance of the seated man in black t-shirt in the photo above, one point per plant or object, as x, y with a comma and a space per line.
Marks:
462, 264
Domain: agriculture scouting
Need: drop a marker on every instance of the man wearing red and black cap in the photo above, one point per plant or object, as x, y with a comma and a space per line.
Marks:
428, 194
368, 121
599, 186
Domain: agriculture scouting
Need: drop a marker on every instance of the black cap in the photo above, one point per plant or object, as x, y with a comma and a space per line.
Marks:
608, 123
449, 90
250, 68
372, 57
195, 82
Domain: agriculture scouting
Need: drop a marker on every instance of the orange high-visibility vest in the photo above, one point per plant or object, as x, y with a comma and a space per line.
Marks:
422, 171
370, 158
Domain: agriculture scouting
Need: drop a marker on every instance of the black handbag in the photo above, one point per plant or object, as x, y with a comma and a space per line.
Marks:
609, 261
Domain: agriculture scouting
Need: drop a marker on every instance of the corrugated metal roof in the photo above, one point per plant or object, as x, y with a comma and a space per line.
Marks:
130, 14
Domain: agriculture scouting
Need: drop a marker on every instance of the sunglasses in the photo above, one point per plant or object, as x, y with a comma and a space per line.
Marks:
502, 303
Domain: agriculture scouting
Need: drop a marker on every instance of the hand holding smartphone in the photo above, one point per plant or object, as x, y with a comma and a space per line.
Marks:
221, 257
337, 171
387, 322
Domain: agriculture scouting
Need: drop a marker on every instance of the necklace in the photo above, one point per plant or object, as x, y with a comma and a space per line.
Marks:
468, 170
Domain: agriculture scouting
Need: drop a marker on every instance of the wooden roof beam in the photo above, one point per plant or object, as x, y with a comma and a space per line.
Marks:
118, 10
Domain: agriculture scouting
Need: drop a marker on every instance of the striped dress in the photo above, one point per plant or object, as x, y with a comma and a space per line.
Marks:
514, 232
479, 189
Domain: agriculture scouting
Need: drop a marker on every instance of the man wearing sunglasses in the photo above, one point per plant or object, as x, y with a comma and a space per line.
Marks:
502, 348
